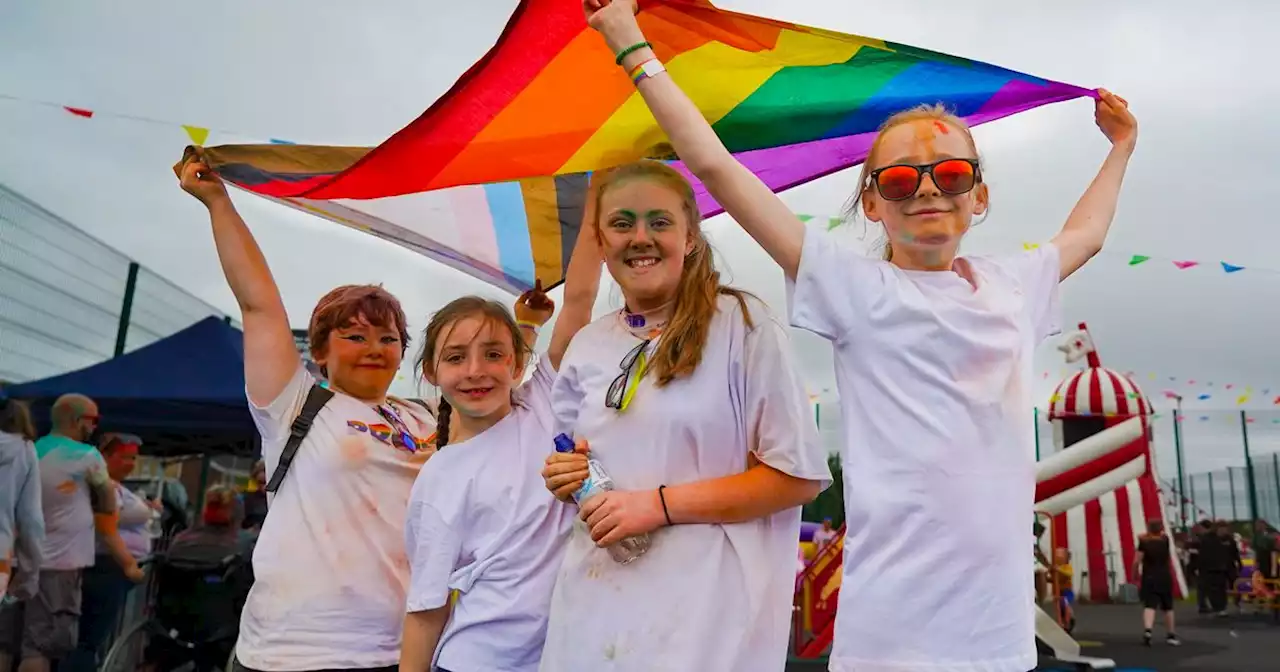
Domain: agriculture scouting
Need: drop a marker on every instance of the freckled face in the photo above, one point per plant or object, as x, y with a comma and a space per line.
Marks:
645, 235
476, 366
930, 222
362, 358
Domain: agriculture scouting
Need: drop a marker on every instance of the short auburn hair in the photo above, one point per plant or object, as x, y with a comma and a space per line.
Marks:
343, 304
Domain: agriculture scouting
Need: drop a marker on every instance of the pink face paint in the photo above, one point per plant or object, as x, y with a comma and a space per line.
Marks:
942, 128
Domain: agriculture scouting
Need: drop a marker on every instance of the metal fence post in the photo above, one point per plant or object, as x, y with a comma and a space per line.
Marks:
122, 331
1213, 504
1248, 467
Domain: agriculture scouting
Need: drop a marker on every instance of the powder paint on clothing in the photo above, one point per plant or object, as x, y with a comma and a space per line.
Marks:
952, 477
330, 565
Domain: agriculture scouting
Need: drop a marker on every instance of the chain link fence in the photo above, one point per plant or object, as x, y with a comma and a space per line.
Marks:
63, 294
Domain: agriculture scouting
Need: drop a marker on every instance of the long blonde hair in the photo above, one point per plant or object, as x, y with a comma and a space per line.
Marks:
936, 112
680, 350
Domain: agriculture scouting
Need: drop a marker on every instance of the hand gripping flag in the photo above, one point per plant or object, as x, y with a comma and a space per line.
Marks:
491, 178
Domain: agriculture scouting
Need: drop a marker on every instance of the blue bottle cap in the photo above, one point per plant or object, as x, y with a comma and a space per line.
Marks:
564, 444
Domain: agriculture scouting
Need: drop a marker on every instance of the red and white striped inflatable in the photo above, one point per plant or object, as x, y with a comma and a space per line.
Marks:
1102, 484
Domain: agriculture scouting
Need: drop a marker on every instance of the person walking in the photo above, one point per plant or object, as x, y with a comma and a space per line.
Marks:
1153, 565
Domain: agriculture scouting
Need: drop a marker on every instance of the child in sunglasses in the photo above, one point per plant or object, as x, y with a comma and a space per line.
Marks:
479, 520
933, 353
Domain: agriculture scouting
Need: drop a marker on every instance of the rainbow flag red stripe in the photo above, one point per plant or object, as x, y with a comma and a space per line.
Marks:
547, 101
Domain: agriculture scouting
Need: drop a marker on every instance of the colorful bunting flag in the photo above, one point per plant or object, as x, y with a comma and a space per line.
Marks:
519, 132
1184, 265
1203, 397
197, 134
200, 134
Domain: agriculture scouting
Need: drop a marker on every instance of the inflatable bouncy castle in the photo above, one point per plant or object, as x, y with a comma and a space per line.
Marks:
1101, 485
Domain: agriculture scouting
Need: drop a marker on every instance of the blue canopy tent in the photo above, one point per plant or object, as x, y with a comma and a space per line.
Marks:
182, 395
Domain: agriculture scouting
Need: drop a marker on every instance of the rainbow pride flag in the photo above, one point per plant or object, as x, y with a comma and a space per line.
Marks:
491, 178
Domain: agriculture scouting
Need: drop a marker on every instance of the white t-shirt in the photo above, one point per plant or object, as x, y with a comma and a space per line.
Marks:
704, 597
934, 380
330, 566
481, 521
72, 476
134, 516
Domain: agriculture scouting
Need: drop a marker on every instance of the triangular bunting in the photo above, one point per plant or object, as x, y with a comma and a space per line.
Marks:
804, 218
1030, 246
1229, 268
1242, 399
834, 222
1184, 265
1137, 259
278, 141
79, 111
198, 135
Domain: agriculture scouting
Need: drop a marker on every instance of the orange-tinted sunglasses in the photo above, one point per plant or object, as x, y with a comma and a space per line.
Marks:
901, 181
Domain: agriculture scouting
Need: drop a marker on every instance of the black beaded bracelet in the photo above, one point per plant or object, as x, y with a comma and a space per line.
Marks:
663, 498
633, 48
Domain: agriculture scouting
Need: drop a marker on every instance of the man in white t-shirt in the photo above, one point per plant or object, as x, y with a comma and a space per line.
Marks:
78, 497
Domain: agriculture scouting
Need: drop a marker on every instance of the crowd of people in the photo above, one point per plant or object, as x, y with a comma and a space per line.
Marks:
72, 535
449, 536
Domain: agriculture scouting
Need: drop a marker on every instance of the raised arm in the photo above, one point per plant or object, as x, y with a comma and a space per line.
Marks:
1087, 225
581, 283
752, 204
270, 356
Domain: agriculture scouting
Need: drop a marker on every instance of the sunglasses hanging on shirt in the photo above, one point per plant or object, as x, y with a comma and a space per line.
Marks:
406, 437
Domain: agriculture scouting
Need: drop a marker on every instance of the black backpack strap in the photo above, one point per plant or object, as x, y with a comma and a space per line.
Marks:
420, 402
317, 397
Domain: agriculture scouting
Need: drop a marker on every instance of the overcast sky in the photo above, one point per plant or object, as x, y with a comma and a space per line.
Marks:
1201, 186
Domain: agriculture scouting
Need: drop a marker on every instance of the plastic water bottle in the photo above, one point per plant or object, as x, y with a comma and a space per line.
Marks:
627, 550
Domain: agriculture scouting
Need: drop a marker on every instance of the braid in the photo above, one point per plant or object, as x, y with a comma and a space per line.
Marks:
443, 412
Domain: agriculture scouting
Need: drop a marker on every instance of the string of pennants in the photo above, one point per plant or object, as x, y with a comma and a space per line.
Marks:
197, 134
833, 222
1208, 391
200, 134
